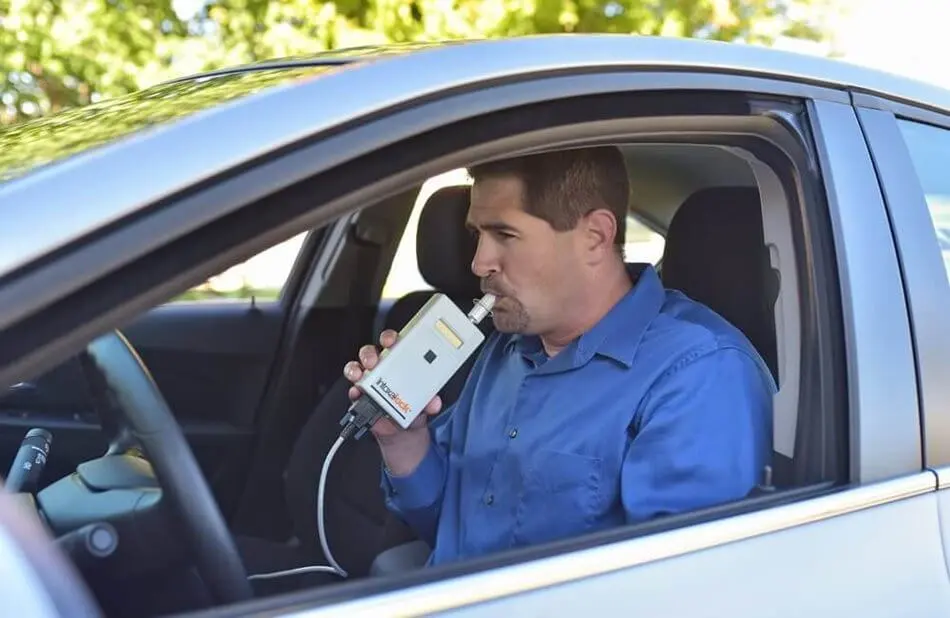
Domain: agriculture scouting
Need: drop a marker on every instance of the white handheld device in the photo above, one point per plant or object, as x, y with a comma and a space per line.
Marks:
429, 350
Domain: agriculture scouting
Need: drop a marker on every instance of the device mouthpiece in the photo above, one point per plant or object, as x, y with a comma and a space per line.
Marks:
482, 308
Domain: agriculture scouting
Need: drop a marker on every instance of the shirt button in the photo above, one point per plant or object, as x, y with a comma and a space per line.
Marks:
489, 499
513, 433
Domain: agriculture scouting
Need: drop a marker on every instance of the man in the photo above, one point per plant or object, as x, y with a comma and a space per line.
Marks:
601, 400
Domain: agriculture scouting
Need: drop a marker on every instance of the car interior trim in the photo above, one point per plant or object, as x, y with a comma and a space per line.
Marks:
783, 254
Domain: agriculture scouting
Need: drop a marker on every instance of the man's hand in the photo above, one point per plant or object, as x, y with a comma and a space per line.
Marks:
402, 449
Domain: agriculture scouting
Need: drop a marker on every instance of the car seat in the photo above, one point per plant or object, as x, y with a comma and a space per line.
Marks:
715, 253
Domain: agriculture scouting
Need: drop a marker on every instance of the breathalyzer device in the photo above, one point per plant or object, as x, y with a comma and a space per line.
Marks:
430, 349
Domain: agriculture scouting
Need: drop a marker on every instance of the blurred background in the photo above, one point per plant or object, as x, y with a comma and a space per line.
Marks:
59, 54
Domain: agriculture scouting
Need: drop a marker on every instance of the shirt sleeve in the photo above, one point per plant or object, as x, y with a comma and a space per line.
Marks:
417, 497
701, 437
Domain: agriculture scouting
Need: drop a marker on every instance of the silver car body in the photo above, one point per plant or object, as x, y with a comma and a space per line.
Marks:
879, 546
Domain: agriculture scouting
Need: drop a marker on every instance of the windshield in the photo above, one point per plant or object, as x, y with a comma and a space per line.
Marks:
26, 146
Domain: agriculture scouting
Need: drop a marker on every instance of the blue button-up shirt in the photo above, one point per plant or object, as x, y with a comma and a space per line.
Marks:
662, 407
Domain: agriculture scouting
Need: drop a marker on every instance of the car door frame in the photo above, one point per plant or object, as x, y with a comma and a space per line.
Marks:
873, 345
924, 274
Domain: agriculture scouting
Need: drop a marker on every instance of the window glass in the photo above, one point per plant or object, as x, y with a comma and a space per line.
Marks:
642, 243
261, 277
930, 151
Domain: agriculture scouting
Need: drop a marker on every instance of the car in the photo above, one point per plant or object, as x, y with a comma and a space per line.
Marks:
183, 427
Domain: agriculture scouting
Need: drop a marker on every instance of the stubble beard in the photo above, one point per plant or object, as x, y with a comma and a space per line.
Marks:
511, 317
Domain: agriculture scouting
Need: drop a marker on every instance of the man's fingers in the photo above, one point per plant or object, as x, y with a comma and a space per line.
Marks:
368, 356
433, 407
387, 338
352, 371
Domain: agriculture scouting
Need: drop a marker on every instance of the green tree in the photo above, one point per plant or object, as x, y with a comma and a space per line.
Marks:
67, 53
64, 53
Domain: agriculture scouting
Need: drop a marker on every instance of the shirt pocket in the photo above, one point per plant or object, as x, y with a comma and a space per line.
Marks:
559, 497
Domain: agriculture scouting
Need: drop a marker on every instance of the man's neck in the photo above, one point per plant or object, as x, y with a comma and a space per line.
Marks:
596, 303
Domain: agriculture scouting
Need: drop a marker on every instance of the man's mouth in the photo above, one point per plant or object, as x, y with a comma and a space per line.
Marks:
487, 288
490, 289
499, 302
499, 297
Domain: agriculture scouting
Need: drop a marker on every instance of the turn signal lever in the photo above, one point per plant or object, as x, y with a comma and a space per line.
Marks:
27, 468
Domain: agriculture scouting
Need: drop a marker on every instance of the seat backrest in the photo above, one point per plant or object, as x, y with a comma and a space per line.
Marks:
357, 521
715, 253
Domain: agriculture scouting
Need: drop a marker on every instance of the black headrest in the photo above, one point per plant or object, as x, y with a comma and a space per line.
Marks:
444, 247
715, 253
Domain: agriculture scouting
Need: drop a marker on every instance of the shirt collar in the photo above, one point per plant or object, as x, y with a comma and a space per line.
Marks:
617, 335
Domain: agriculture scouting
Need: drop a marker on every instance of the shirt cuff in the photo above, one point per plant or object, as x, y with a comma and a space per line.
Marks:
422, 487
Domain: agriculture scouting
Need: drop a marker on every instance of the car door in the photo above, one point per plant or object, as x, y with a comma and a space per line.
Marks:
911, 147
210, 351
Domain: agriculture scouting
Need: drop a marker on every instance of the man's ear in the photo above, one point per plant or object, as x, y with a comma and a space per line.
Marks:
600, 228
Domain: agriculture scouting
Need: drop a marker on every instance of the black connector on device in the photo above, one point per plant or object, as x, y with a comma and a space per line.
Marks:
360, 417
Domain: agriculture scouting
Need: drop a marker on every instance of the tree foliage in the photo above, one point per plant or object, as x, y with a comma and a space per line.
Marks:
66, 53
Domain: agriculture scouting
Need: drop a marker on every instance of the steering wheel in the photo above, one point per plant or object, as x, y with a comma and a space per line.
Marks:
149, 420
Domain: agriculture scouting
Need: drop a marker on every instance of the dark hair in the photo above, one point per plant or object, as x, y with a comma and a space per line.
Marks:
564, 185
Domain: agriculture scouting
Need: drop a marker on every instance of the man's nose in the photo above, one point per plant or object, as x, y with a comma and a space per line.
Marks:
483, 263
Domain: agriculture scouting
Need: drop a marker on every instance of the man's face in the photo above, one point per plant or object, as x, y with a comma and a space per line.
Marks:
520, 258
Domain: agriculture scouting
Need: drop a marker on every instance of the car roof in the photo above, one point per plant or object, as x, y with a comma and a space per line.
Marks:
277, 102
